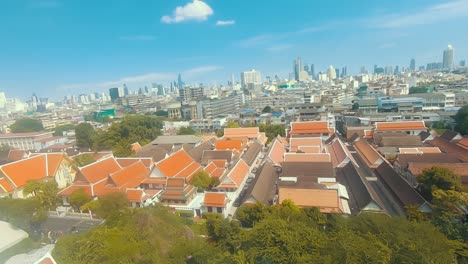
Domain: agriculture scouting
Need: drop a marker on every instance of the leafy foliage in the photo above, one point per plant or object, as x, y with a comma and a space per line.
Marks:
58, 131
266, 109
26, 125
436, 177
417, 89
85, 135
79, 198
203, 181
355, 106
461, 118
132, 128
271, 131
84, 159
186, 131
45, 192
23, 213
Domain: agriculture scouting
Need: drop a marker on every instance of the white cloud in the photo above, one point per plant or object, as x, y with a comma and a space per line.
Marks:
225, 22
143, 79
137, 38
280, 47
256, 40
429, 15
196, 10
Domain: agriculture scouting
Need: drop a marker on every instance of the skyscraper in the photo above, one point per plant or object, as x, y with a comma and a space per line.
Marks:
462, 63
248, 77
447, 63
180, 84
412, 65
331, 73
306, 68
297, 68
312, 71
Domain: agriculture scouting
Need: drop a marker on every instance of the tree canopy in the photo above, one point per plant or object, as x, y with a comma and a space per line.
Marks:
84, 159
266, 109
79, 198
461, 118
186, 131
26, 125
58, 131
85, 135
436, 177
203, 181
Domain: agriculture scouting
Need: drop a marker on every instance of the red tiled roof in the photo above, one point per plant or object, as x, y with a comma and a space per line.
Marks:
338, 152
15, 155
277, 151
136, 146
460, 169
5, 185
282, 140
307, 157
174, 164
250, 132
262, 138
53, 162
130, 176
449, 147
135, 195
294, 143
76, 186
313, 127
155, 180
368, 153
99, 170
237, 175
124, 162
309, 149
420, 150
22, 171
400, 126
48, 139
327, 201
463, 143
215, 199
229, 144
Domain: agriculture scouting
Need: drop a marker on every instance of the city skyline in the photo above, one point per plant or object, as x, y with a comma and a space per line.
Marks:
55, 48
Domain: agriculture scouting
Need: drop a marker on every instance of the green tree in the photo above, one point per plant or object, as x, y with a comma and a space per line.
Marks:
271, 131
32, 187
232, 124
266, 109
84, 159
43, 191
355, 106
85, 135
202, 181
4, 151
413, 90
79, 198
447, 213
440, 178
461, 118
112, 205
58, 131
162, 113
250, 215
26, 125
186, 131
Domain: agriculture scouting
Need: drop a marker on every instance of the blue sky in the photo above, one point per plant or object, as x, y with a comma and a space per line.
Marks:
59, 47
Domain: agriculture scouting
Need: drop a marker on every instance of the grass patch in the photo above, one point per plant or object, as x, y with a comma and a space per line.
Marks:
23, 246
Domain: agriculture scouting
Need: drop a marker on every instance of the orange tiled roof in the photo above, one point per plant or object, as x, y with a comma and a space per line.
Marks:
463, 143
155, 180
327, 201
368, 153
219, 163
460, 169
237, 175
368, 134
277, 151
22, 171
99, 170
216, 168
174, 164
250, 132
294, 143
130, 176
136, 146
5, 185
262, 138
135, 195
230, 144
420, 150
125, 162
313, 127
76, 186
309, 149
215, 199
102, 188
16, 154
53, 162
282, 140
189, 171
307, 157
400, 126
210, 168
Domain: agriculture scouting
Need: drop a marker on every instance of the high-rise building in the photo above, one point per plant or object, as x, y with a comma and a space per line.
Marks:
297, 68
250, 77
306, 68
114, 93
363, 70
337, 71
388, 70
344, 72
447, 63
462, 63
180, 83
125, 88
396, 71
412, 65
312, 71
331, 73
